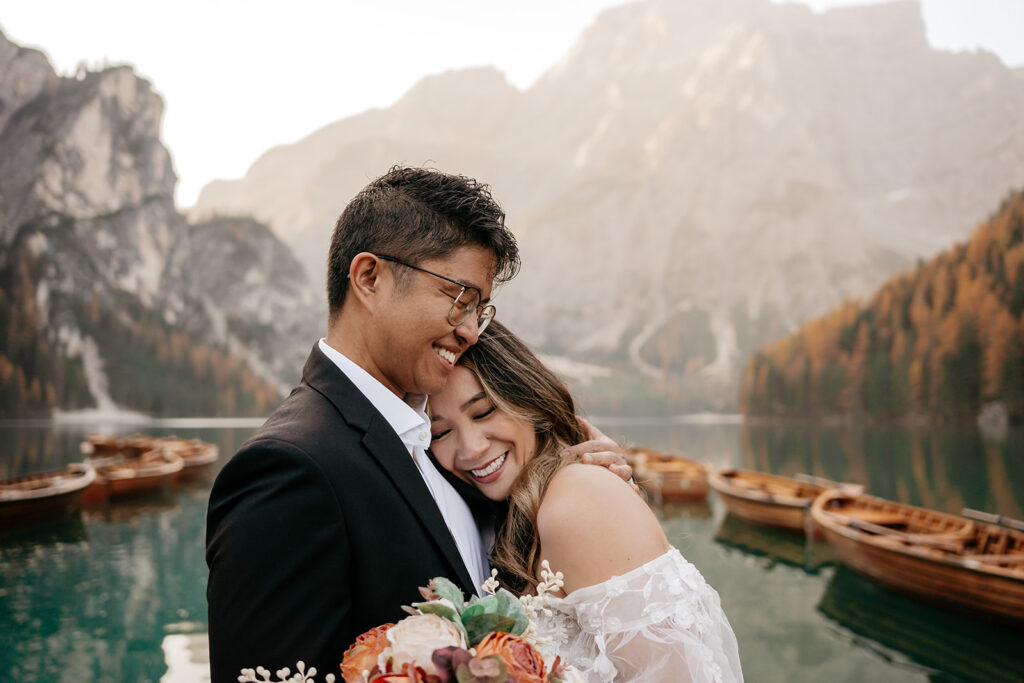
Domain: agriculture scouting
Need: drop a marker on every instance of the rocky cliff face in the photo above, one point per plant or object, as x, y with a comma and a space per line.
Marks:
691, 180
109, 297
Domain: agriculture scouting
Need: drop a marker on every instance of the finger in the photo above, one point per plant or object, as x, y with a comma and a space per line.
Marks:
603, 458
624, 471
590, 446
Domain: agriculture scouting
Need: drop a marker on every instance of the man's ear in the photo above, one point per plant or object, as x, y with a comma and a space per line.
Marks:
365, 277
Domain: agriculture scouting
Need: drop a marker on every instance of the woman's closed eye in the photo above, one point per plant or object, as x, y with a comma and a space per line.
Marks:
440, 435
484, 415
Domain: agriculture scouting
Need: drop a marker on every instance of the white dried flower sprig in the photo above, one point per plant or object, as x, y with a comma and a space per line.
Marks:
535, 605
491, 585
283, 675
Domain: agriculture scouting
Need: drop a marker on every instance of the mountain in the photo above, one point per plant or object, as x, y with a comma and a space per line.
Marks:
691, 180
109, 298
938, 342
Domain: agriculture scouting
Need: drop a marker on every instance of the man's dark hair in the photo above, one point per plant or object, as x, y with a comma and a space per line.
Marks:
417, 214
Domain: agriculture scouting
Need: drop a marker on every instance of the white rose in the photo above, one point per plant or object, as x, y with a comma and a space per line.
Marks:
415, 638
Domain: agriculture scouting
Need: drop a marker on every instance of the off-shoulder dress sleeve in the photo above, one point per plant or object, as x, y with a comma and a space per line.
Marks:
658, 622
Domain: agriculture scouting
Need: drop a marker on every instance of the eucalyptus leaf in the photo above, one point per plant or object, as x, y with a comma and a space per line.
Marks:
439, 609
449, 591
472, 611
480, 625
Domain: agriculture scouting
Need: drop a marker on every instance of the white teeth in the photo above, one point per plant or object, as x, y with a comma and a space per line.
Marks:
493, 467
446, 354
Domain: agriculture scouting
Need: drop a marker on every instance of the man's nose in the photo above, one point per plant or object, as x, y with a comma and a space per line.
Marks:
468, 330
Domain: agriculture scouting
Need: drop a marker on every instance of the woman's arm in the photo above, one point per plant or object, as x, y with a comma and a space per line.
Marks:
592, 526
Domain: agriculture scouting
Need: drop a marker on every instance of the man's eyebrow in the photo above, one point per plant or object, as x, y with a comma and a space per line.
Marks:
473, 400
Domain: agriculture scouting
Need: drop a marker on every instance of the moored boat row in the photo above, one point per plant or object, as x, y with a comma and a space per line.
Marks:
115, 467
972, 562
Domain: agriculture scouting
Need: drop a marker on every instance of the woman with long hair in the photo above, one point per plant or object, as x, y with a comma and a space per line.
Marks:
632, 608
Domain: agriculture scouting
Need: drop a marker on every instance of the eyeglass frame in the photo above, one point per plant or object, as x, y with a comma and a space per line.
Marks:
481, 321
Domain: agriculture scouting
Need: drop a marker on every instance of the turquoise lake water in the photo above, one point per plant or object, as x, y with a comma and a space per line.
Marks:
118, 592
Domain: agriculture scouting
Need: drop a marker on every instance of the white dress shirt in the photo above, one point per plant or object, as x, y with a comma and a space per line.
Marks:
412, 425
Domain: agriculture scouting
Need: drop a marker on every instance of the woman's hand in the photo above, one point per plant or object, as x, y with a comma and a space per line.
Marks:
600, 450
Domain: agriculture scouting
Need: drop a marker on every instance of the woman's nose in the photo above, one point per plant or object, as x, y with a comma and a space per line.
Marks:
476, 442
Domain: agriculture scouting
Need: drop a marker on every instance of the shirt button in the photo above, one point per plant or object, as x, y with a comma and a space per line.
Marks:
423, 436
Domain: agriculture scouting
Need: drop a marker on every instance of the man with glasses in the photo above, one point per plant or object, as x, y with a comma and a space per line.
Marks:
322, 525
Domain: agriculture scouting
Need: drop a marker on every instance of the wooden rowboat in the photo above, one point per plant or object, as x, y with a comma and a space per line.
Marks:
44, 495
671, 477
942, 558
101, 445
196, 455
771, 499
121, 476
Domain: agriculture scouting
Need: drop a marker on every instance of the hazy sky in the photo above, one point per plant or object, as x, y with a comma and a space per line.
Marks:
239, 77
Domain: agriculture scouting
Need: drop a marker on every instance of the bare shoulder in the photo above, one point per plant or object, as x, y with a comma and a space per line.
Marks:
593, 526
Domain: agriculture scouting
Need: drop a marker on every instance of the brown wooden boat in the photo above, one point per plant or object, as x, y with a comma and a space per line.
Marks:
120, 475
669, 476
771, 499
196, 455
942, 558
101, 445
44, 495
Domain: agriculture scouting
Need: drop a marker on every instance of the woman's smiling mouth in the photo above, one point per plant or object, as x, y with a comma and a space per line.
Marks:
489, 472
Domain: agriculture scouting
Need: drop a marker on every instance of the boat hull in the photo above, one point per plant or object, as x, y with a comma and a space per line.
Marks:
17, 507
135, 476
921, 571
792, 517
16, 512
768, 499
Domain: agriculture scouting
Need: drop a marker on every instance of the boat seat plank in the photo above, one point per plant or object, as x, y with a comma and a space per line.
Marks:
952, 542
878, 517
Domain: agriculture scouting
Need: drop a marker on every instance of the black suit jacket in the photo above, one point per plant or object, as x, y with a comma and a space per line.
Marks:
319, 528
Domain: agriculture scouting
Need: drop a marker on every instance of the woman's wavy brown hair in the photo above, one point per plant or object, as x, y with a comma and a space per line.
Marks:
520, 385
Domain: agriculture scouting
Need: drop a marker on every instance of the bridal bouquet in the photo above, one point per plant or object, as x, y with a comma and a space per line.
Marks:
446, 639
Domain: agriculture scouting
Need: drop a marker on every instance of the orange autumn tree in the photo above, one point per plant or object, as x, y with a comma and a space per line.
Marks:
940, 340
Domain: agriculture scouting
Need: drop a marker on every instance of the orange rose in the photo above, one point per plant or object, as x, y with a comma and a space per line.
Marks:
362, 655
522, 659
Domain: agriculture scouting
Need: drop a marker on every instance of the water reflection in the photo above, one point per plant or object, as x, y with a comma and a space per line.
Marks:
943, 469
692, 509
957, 647
774, 545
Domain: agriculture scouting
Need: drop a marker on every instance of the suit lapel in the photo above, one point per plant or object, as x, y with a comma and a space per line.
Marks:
385, 446
387, 449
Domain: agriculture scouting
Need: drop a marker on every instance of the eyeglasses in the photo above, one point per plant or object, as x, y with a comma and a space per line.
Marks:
464, 304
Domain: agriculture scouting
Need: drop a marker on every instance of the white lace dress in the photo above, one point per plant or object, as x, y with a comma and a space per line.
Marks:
658, 622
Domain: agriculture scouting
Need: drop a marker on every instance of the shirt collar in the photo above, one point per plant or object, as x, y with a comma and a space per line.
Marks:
409, 421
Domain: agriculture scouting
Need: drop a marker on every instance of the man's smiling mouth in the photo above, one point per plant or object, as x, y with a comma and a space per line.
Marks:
446, 354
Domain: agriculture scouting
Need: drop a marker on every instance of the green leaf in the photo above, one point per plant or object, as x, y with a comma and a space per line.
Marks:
471, 611
440, 609
449, 591
480, 625
513, 608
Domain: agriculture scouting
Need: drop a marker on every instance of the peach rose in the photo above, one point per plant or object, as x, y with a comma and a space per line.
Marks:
414, 639
362, 655
522, 659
